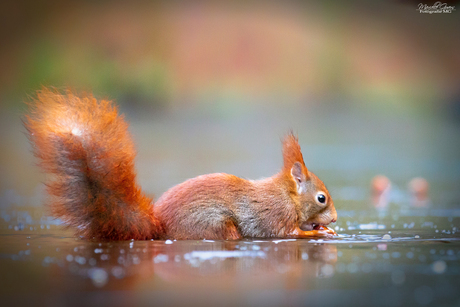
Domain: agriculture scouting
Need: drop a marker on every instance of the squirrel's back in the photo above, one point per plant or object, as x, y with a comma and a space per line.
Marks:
85, 145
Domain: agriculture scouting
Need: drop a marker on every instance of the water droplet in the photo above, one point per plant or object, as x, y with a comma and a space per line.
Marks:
98, 276
118, 272
160, 258
386, 237
398, 277
327, 270
105, 257
439, 267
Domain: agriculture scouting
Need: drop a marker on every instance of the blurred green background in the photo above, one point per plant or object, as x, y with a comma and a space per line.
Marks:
370, 88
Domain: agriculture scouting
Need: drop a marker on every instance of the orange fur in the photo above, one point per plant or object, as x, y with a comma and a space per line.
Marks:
86, 146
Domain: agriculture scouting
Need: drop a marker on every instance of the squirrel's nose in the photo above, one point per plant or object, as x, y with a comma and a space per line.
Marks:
334, 220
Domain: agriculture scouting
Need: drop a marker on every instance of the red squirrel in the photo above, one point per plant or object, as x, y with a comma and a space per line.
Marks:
84, 143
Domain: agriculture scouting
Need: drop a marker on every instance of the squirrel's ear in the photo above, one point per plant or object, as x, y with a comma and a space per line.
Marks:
298, 172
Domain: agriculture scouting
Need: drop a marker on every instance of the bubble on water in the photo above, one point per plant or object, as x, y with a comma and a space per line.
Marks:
136, 259
327, 270
47, 261
352, 268
118, 272
283, 268
386, 237
80, 260
92, 262
423, 295
168, 242
410, 255
160, 258
450, 252
98, 276
98, 251
121, 260
371, 226
382, 247
105, 257
396, 254
439, 266
398, 277
417, 237
69, 258
177, 258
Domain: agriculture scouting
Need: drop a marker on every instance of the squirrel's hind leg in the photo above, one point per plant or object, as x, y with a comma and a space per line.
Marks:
231, 231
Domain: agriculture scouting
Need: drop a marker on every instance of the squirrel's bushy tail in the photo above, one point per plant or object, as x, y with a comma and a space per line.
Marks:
84, 144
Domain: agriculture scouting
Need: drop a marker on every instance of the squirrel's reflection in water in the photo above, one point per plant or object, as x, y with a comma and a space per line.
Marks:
293, 263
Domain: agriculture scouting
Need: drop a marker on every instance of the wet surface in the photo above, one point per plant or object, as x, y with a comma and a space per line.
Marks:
397, 256
386, 259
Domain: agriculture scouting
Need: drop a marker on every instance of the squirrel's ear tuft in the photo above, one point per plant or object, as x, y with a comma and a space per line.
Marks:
291, 152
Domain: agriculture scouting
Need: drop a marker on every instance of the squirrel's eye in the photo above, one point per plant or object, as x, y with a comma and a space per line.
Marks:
321, 198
